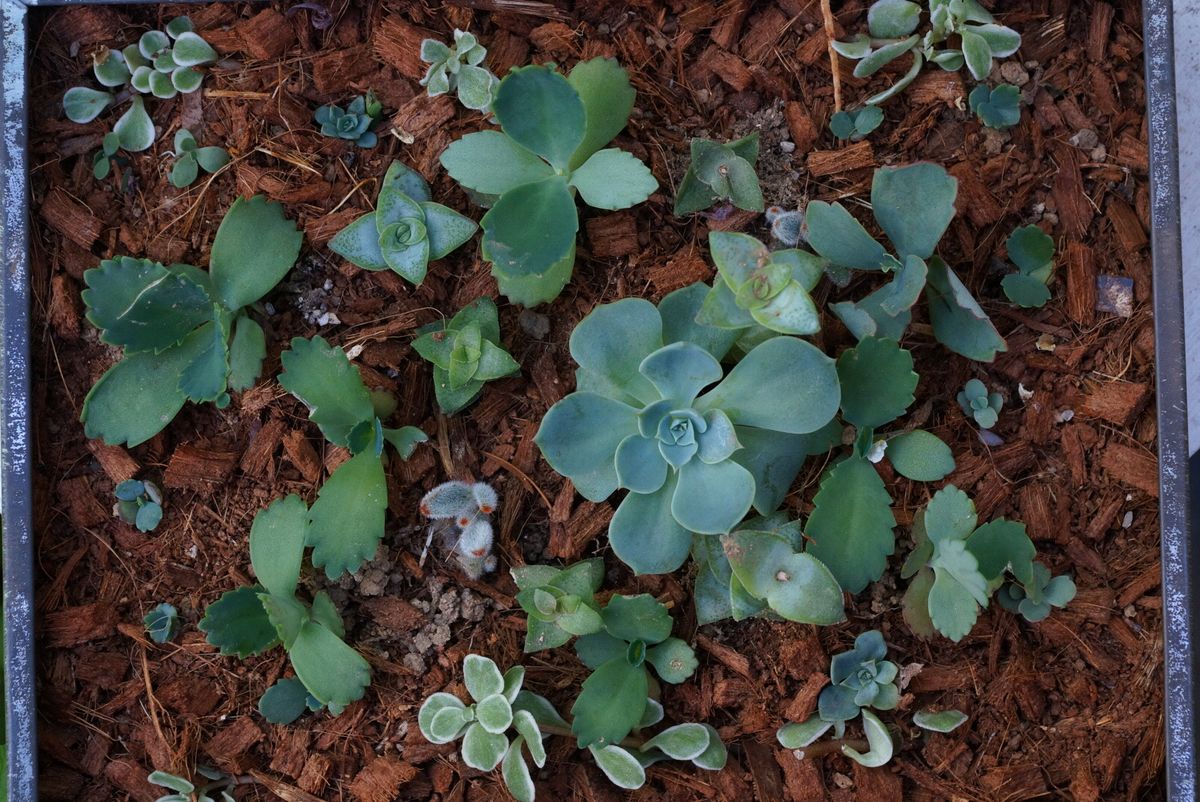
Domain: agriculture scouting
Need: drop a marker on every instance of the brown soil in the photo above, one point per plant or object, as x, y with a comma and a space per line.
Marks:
1068, 709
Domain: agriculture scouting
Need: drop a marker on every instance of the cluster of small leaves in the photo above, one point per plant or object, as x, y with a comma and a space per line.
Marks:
108, 155
190, 159
254, 618
345, 524
1034, 599
406, 231
861, 680
998, 108
892, 27
139, 503
215, 790
721, 172
353, 122
553, 129
914, 229
788, 226
161, 64
186, 333
162, 622
1032, 251
468, 507
466, 353
503, 719
694, 461
976, 402
855, 124
455, 68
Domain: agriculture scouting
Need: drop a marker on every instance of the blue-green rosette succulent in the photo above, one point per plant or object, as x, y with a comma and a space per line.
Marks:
655, 413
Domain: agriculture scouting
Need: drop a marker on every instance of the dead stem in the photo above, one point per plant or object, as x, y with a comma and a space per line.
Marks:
830, 35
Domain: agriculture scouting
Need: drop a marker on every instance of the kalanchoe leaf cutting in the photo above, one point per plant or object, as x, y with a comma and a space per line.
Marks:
353, 122
1032, 251
976, 402
855, 124
406, 231
162, 622
466, 353
462, 512
550, 147
139, 503
187, 334
455, 68
721, 172
190, 159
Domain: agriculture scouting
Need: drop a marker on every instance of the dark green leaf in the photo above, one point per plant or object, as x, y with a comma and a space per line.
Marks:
542, 112
238, 624
610, 703
254, 248
877, 381
851, 526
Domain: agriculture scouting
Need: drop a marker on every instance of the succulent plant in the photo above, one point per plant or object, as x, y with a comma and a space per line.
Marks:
997, 108
190, 159
560, 602
215, 790
406, 231
1032, 251
721, 172
162, 622
548, 149
1035, 599
107, 156
138, 503
186, 333
466, 353
787, 226
856, 123
455, 68
468, 507
978, 403
287, 700
693, 461
353, 122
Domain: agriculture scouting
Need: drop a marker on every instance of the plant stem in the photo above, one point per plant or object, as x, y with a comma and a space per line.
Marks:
629, 742
829, 748
830, 35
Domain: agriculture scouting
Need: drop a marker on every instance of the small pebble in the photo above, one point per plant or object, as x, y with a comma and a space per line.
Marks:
787, 146
1127, 519
1014, 73
1064, 415
1131, 611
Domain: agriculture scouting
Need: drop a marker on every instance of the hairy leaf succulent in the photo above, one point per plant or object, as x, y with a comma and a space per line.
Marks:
892, 32
855, 124
466, 353
353, 123
721, 172
162, 622
139, 503
190, 159
550, 146
997, 108
1034, 599
977, 403
214, 790
406, 231
655, 413
254, 618
1032, 251
467, 508
455, 68
187, 334
788, 226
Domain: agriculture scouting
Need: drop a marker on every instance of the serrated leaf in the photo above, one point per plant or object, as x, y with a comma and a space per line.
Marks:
607, 96
673, 661
334, 674
950, 515
238, 624
530, 228
277, 544
640, 617
920, 455
851, 525
284, 702
345, 523
958, 589
877, 381
1002, 545
203, 379
613, 179
542, 112
253, 250
913, 231
139, 304
321, 376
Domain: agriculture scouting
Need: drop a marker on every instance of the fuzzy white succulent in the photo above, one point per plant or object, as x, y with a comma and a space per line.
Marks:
467, 507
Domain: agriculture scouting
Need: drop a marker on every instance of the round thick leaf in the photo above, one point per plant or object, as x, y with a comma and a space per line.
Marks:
737, 256
491, 163
613, 179
1025, 291
640, 617
715, 755
673, 661
610, 344
639, 466
796, 586
914, 229
610, 703
430, 708
850, 528
774, 459
190, 49
540, 708
516, 773
1030, 248
607, 96
152, 42
857, 48
679, 371
483, 750
277, 544
140, 80
447, 724
579, 437
345, 523
148, 517
891, 19
494, 713
1001, 41
526, 724
880, 57
679, 311
920, 455
792, 311
711, 499
238, 624
531, 228
622, 769
334, 674
359, 242
835, 234
482, 677
542, 112
800, 735
161, 85
878, 739
112, 71
998, 108
321, 376
681, 742
184, 171
977, 53
135, 128
877, 381
411, 261
254, 248
284, 702
645, 535
162, 622
942, 721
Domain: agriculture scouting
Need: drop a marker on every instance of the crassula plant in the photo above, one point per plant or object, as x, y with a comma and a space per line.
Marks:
455, 68
160, 63
138, 503
560, 602
976, 402
721, 172
466, 353
504, 721
353, 122
1032, 251
861, 681
655, 413
914, 229
190, 159
345, 524
406, 231
550, 147
468, 508
892, 27
187, 334
254, 618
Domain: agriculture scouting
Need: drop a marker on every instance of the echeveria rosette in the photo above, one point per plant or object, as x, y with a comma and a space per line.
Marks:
406, 231
353, 123
466, 353
455, 68
1035, 599
693, 461
549, 148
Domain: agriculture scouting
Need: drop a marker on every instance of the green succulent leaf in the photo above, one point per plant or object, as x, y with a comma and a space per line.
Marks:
494, 713
139, 304
939, 721
835, 234
802, 734
877, 381
247, 350
673, 661
542, 112
1025, 291
345, 523
950, 515
851, 525
796, 586
728, 175
321, 376
607, 96
916, 604
681, 742
446, 229
429, 711
482, 677
254, 249
531, 228
82, 104
913, 231
204, 378
284, 702
492, 164
891, 19
516, 774
880, 57
579, 437
277, 544
998, 108
622, 768
613, 179
610, 703
977, 53
238, 624
162, 622
878, 740
640, 617
920, 455
651, 512
958, 321
1003, 545
334, 674
958, 589
190, 50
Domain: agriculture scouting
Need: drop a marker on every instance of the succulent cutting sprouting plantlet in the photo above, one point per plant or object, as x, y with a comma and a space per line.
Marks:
162, 622
694, 458
892, 25
503, 721
215, 790
978, 403
998, 108
1032, 251
251, 619
406, 231
353, 122
467, 507
138, 503
161, 64
721, 172
856, 123
455, 68
548, 148
190, 159
187, 334
345, 523
1034, 599
861, 680
466, 353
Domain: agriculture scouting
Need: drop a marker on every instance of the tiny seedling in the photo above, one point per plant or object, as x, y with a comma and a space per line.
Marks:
855, 124
160, 63
468, 508
997, 108
466, 353
187, 334
978, 403
892, 27
455, 68
721, 172
787, 226
548, 148
214, 790
353, 122
500, 709
1034, 600
190, 159
406, 231
107, 156
162, 623
694, 461
254, 618
345, 523
861, 681
139, 503
1032, 251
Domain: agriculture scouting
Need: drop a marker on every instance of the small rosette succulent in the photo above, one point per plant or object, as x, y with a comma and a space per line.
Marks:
560, 602
138, 503
1034, 599
353, 122
976, 402
466, 353
655, 413
455, 68
406, 231
721, 172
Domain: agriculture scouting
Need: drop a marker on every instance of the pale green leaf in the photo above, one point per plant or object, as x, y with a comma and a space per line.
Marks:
607, 96
835, 234
135, 128
491, 163
334, 674
321, 376
542, 112
940, 721
920, 455
645, 535
277, 544
531, 228
254, 249
482, 677
613, 179
346, 521
238, 624
622, 769
83, 104
913, 229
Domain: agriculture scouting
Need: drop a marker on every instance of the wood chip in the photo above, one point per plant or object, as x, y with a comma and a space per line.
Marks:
731, 659
70, 218
83, 508
302, 455
800, 124
63, 310
199, 468
396, 614
315, 776
589, 519
685, 269
229, 748
1074, 210
72, 626
1132, 467
1081, 283
256, 459
852, 157
422, 114
130, 777
335, 69
398, 43
726, 66
381, 780
266, 35
1119, 402
612, 235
